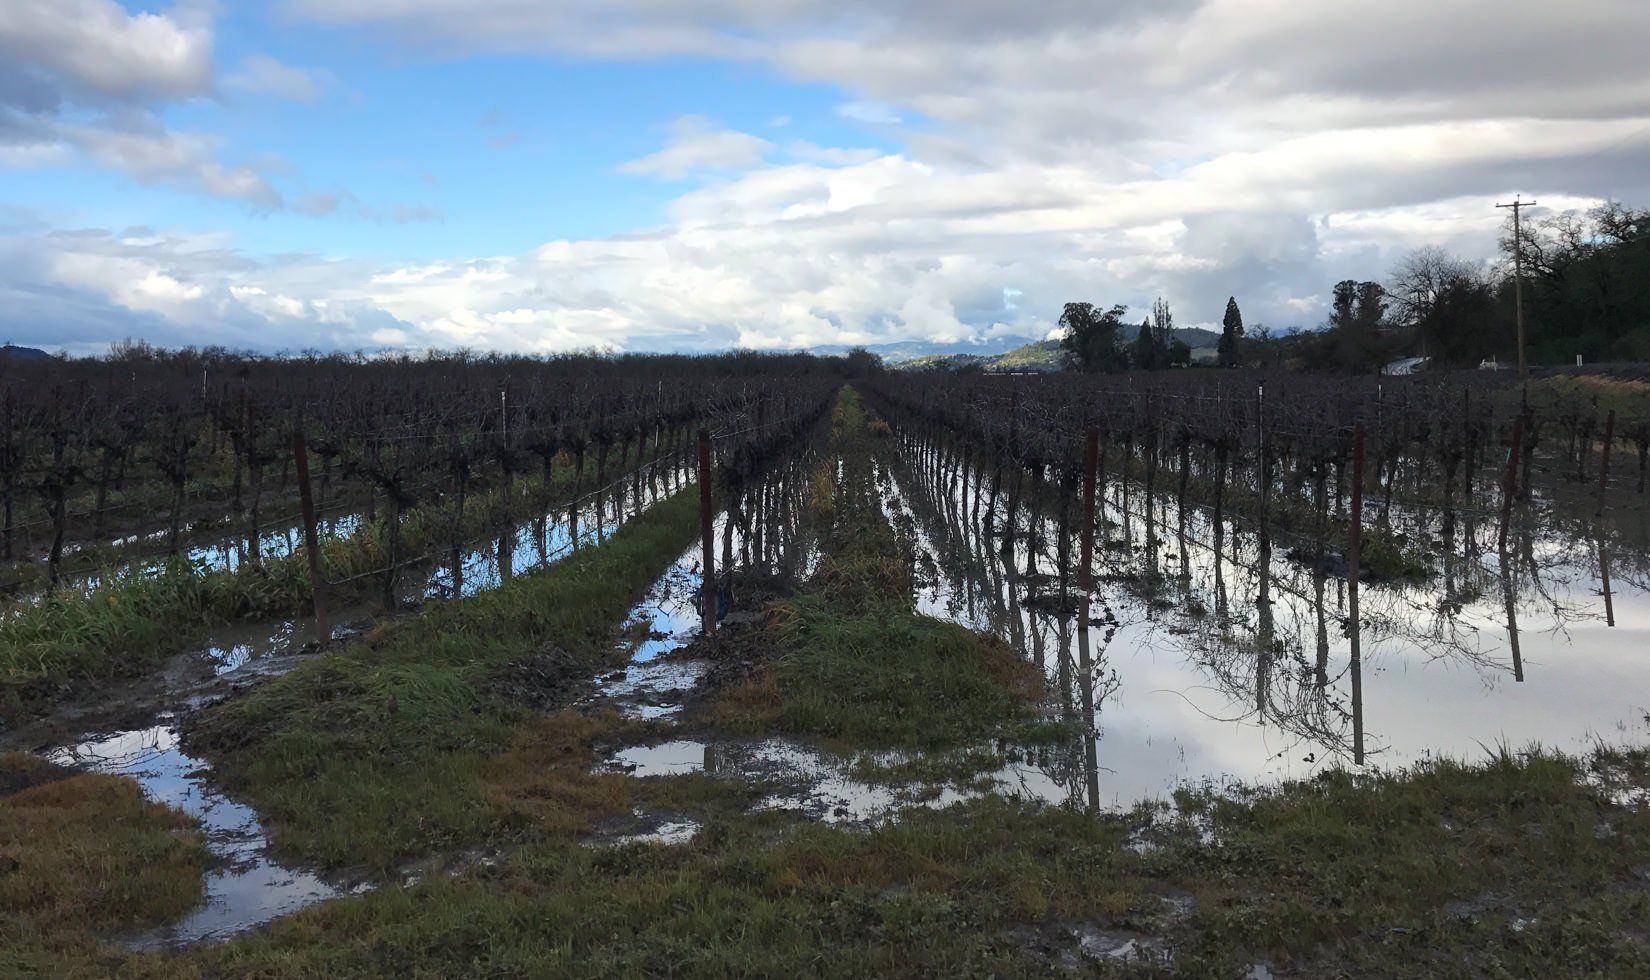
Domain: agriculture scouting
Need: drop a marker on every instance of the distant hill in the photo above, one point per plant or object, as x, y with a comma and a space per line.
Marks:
1193, 337
1041, 356
900, 352
21, 354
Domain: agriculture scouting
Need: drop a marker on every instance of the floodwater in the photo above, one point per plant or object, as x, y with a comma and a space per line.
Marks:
530, 543
760, 535
1208, 663
247, 887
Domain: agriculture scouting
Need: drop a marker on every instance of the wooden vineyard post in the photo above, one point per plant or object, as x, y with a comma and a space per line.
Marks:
1604, 463
1354, 551
1085, 573
300, 457
708, 538
1509, 485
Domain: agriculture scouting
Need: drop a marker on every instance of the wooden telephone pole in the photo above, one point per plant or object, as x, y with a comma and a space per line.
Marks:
1518, 205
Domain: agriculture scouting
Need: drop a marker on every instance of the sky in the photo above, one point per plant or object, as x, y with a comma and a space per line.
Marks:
547, 175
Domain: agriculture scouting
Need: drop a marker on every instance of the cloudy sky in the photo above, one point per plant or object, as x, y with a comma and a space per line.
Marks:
541, 175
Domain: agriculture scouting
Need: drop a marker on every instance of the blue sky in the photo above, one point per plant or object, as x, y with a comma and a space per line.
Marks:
644, 174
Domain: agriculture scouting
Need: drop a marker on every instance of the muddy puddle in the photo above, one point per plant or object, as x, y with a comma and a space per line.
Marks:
757, 538
814, 783
1212, 661
246, 888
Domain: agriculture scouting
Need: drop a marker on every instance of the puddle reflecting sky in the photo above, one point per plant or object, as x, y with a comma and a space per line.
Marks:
1225, 670
248, 888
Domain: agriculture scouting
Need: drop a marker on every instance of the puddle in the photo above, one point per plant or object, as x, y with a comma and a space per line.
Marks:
667, 833
654, 690
819, 784
1211, 663
1117, 947
247, 888
669, 759
761, 534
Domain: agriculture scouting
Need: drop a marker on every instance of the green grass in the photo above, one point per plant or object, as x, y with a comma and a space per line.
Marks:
390, 750
386, 750
894, 680
855, 664
1412, 874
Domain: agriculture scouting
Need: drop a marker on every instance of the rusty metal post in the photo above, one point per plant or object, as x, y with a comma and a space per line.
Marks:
1509, 485
300, 456
1085, 572
708, 537
1604, 464
1354, 551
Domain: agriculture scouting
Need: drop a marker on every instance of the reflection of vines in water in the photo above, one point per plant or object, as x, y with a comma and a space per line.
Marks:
1269, 669
950, 545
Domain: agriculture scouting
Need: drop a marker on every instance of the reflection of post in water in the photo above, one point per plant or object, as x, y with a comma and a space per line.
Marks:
1223, 608
1323, 628
1068, 680
1085, 582
1509, 593
1604, 580
1264, 641
506, 555
1085, 681
1354, 625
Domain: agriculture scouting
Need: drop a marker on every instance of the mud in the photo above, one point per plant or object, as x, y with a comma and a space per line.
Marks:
544, 682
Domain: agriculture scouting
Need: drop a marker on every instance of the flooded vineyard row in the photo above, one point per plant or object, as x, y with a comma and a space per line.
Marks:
250, 887
1215, 657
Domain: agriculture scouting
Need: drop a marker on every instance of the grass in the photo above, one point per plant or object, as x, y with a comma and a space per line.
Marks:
1399, 875
1522, 863
896, 680
386, 750
84, 854
855, 664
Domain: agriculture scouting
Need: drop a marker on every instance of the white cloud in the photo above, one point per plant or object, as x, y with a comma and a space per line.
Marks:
697, 144
1193, 149
873, 113
85, 76
260, 74
96, 46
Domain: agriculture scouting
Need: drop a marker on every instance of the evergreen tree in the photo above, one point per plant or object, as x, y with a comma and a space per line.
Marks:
1144, 353
1231, 334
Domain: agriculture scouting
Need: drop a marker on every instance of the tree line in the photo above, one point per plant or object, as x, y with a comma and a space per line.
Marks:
1586, 292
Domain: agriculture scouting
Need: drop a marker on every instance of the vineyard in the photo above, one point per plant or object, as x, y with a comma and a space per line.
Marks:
753, 666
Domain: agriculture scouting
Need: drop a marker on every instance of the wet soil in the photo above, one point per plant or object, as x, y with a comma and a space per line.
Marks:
543, 682
741, 643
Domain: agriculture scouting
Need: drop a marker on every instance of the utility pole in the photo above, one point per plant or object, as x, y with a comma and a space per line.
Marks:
1518, 205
